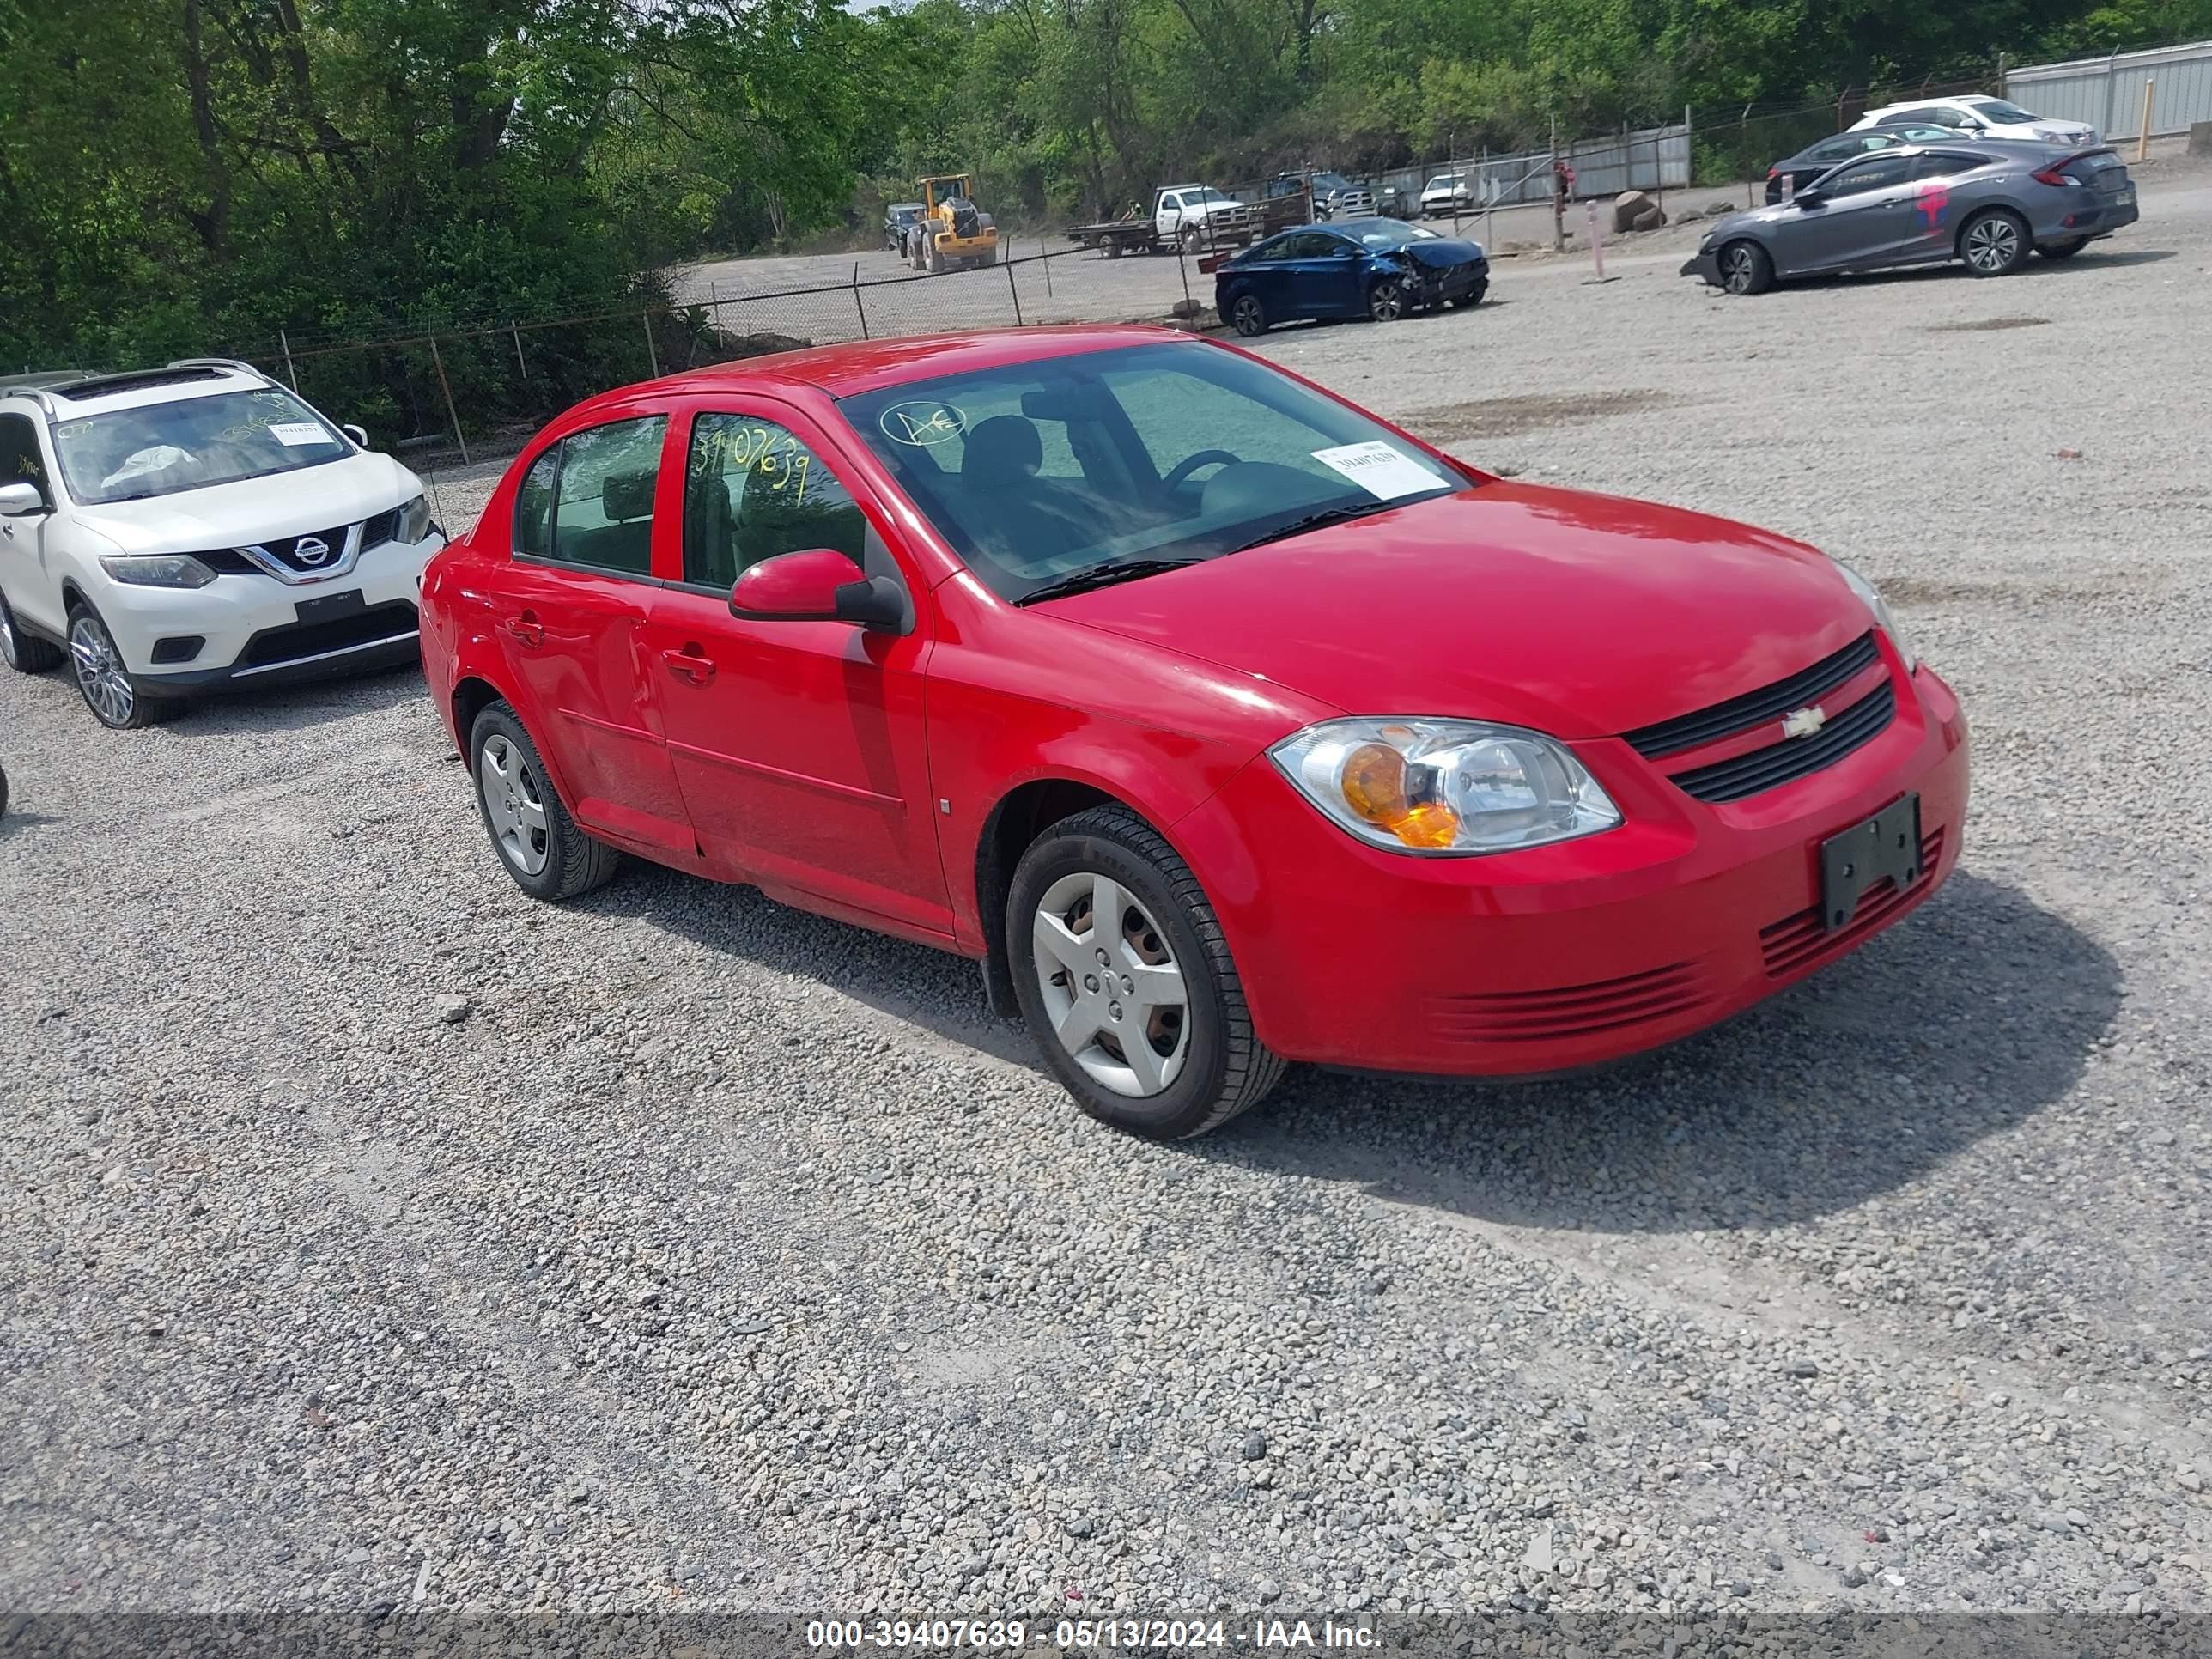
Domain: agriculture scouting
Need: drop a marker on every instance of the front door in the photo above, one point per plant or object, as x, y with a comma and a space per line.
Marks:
1865, 218
798, 746
568, 618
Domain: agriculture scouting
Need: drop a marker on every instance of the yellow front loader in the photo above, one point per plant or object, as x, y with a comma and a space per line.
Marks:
953, 233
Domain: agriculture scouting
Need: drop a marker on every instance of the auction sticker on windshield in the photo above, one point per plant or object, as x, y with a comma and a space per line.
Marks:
1383, 471
297, 434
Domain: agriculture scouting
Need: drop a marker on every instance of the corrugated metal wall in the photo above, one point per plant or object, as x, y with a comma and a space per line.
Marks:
2108, 92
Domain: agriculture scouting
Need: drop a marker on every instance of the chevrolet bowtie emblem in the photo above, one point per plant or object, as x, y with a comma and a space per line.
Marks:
1803, 722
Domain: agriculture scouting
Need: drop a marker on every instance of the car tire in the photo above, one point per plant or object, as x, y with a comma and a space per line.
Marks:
25, 652
1248, 316
1995, 243
106, 686
1190, 238
550, 858
4, 792
1746, 268
1468, 301
2065, 250
1387, 301
1209, 1063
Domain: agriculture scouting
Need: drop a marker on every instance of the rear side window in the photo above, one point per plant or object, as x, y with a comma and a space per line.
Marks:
588, 500
533, 507
753, 490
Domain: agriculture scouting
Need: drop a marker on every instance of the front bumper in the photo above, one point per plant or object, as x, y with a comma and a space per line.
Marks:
1569, 955
1434, 287
1704, 263
253, 631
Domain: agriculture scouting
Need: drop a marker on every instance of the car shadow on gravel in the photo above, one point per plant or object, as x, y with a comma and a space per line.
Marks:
296, 707
1966, 1019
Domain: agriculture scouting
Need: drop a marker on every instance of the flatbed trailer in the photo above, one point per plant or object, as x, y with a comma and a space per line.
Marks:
1116, 237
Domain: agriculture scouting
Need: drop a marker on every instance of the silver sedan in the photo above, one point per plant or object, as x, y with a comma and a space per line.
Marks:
1986, 203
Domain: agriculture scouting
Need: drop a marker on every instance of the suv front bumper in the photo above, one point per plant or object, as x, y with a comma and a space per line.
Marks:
255, 631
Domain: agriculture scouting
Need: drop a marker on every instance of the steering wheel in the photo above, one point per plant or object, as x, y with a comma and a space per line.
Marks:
1182, 468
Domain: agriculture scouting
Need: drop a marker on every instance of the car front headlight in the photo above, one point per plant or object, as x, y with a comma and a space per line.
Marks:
1444, 787
156, 570
414, 520
1884, 618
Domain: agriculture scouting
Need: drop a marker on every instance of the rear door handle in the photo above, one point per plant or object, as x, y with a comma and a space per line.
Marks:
690, 663
525, 628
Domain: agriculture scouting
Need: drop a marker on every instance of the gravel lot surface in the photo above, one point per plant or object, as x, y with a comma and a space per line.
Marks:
374, 1237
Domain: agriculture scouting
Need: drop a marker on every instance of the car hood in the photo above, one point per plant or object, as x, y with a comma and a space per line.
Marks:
314, 498
1441, 255
1579, 615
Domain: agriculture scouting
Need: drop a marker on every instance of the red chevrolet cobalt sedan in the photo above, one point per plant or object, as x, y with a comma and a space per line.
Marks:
1225, 724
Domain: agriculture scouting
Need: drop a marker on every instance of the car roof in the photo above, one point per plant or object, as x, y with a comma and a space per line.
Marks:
859, 365
138, 388
895, 206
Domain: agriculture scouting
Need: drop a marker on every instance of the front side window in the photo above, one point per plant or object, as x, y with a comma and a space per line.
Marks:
1879, 174
20, 461
1314, 244
603, 503
192, 443
1040, 472
752, 490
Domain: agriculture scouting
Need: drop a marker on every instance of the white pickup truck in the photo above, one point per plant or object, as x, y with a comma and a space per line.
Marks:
1195, 215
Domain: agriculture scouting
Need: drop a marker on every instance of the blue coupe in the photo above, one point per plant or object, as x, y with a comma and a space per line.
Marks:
1375, 268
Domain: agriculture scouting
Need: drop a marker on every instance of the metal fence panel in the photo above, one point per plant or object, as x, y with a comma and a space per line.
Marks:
2107, 92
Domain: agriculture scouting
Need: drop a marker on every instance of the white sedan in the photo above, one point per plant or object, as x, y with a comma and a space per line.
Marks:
1986, 117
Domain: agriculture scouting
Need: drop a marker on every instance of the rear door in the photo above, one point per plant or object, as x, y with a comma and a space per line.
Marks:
569, 614
798, 746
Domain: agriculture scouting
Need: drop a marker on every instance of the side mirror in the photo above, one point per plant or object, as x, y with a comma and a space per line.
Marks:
1809, 198
817, 584
359, 434
20, 500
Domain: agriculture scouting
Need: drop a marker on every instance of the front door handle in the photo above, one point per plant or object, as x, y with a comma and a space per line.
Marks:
525, 628
690, 663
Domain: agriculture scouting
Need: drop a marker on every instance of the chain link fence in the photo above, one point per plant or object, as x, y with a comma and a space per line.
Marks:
477, 384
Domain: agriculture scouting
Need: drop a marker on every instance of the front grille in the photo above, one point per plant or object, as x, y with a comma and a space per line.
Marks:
274, 646
286, 550
1793, 757
1769, 702
375, 531
1800, 940
1568, 1011
227, 562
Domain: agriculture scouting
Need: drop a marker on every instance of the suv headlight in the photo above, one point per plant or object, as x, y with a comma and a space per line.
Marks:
156, 570
1884, 618
415, 520
1444, 787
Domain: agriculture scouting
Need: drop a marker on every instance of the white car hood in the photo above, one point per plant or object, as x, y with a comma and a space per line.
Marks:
311, 498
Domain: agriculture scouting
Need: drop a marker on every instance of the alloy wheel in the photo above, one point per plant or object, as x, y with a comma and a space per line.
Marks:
99, 671
513, 803
7, 646
1112, 989
1992, 244
1387, 304
1248, 316
1740, 270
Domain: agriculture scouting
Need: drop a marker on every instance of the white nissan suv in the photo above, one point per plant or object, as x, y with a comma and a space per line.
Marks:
187, 529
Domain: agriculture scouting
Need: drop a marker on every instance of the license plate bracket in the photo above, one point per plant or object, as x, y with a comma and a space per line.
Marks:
330, 606
1886, 847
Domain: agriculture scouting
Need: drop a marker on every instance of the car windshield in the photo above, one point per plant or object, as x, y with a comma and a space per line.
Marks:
1997, 110
1329, 181
161, 449
906, 211
1390, 232
1444, 181
1043, 472
1193, 198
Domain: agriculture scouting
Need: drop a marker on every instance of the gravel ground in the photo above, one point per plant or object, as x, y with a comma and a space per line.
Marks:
375, 1237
